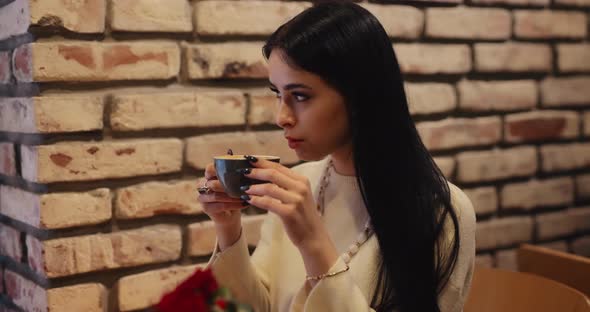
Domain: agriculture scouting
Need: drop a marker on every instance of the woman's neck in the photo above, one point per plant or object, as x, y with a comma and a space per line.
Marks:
343, 161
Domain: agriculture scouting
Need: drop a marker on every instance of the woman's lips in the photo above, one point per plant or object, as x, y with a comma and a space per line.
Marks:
294, 143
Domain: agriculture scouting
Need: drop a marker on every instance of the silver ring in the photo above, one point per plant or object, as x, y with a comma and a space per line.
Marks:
205, 190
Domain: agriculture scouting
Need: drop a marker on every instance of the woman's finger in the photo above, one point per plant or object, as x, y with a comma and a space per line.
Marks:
267, 164
275, 177
273, 191
270, 204
220, 207
214, 185
217, 198
210, 172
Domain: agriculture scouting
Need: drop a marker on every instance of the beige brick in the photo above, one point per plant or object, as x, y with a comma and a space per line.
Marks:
52, 114
7, 160
10, 245
547, 24
244, 18
581, 246
573, 57
558, 245
24, 293
200, 150
484, 199
561, 157
155, 198
424, 59
263, 107
557, 92
60, 210
586, 117
151, 15
538, 193
554, 225
581, 218
513, 57
143, 290
513, 2
484, 261
430, 98
14, 18
35, 254
498, 96
82, 16
574, 3
78, 161
583, 186
541, 125
503, 232
105, 61
399, 21
479, 166
201, 238
446, 165
73, 255
19, 205
140, 111
468, 23
225, 60
90, 297
506, 259
460, 132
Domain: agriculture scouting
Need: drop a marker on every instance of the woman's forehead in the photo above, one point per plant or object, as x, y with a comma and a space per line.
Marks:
282, 73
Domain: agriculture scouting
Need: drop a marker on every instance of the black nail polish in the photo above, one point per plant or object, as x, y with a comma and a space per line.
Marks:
245, 170
245, 203
251, 158
245, 197
244, 187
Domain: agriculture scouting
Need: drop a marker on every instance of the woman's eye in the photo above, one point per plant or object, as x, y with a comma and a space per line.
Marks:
300, 97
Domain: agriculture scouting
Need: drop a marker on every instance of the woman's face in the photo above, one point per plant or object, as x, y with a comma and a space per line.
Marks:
311, 113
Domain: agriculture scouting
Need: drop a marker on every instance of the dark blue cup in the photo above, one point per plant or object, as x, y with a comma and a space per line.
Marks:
228, 172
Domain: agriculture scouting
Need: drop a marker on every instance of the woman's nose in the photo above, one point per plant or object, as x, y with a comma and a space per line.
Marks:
285, 117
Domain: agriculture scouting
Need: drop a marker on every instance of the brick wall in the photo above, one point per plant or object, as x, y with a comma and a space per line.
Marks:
111, 109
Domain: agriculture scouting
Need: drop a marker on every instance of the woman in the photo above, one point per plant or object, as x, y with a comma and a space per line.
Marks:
391, 232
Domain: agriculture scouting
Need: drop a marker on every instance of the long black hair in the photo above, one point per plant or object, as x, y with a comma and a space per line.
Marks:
406, 195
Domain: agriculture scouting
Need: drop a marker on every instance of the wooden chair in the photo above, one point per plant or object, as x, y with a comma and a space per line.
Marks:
566, 268
496, 290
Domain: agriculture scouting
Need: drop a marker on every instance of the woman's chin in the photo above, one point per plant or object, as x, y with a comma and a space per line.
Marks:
307, 157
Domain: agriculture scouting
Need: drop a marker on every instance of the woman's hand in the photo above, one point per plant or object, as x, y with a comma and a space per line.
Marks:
289, 196
222, 209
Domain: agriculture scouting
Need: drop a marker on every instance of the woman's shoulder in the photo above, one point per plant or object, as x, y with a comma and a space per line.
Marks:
454, 294
462, 206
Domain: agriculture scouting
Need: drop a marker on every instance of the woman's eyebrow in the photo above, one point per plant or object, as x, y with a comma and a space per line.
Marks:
292, 86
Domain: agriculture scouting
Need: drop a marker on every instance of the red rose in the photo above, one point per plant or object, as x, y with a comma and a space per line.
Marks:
222, 304
192, 294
